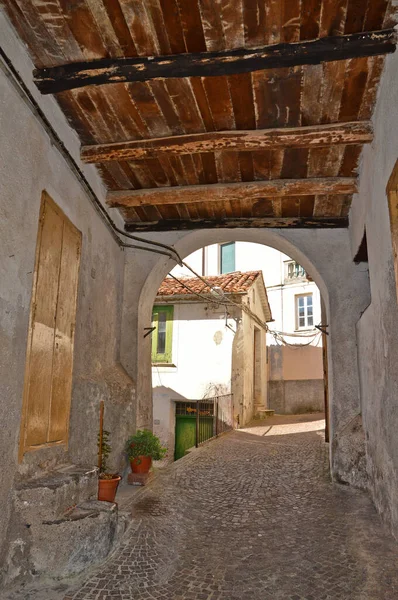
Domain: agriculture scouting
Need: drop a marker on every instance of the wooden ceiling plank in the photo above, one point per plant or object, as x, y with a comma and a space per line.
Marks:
199, 168
30, 26
84, 29
227, 163
261, 165
232, 22
155, 14
355, 19
255, 22
220, 103
263, 208
172, 20
210, 168
168, 169
350, 161
295, 163
375, 14
56, 24
105, 28
125, 112
233, 223
307, 206
141, 27
241, 91
178, 169
290, 206
310, 17
77, 118
216, 64
333, 17
189, 170
276, 162
246, 166
277, 207
184, 100
354, 88
212, 25
158, 173
143, 174
311, 106
233, 191
202, 102
332, 90
192, 25
149, 110
27, 34
126, 168
291, 12
119, 25
375, 66
166, 105
328, 206
289, 137
88, 108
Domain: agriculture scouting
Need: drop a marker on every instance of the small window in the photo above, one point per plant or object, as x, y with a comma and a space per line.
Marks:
304, 312
227, 258
162, 336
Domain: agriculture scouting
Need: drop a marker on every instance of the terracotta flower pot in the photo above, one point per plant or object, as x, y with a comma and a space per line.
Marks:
107, 489
141, 464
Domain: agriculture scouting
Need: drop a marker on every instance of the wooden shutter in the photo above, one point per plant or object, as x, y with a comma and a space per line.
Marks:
392, 193
49, 361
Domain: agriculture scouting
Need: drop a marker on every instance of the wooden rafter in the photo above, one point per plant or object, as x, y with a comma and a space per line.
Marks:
261, 139
221, 192
231, 223
225, 62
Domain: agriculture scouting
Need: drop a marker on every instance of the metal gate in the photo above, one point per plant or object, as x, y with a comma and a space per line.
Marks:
198, 421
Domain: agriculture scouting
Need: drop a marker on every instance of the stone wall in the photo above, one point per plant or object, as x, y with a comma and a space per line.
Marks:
29, 164
377, 327
296, 396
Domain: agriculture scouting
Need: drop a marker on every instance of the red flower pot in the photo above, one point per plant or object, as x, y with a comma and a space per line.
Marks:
141, 464
107, 489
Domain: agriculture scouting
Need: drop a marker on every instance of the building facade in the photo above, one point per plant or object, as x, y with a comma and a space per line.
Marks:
296, 370
203, 348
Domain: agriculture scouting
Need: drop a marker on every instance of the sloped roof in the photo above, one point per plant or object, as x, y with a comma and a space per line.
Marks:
230, 283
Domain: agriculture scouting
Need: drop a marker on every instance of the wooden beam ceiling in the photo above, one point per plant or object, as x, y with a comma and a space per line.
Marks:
222, 192
211, 64
230, 223
317, 136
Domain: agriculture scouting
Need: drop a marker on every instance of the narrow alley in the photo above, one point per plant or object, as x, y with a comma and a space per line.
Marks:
251, 515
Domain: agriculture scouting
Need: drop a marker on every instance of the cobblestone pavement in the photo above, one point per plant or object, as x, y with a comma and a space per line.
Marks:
252, 515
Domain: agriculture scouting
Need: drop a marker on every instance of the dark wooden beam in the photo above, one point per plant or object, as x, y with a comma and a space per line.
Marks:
315, 136
220, 192
226, 62
230, 223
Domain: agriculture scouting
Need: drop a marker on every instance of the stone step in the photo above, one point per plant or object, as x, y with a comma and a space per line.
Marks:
263, 413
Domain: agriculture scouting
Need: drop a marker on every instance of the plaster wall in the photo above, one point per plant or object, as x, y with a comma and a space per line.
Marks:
29, 164
376, 328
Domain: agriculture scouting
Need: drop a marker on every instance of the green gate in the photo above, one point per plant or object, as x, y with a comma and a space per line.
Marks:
195, 423
185, 434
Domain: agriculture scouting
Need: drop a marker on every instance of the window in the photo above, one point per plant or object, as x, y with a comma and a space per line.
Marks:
304, 312
227, 258
49, 359
162, 336
294, 271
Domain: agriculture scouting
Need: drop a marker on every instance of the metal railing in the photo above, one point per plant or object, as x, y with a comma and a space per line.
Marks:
214, 416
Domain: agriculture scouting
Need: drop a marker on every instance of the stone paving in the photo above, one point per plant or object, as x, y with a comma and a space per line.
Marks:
252, 515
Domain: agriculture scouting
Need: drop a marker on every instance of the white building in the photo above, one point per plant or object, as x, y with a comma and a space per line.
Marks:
295, 360
202, 349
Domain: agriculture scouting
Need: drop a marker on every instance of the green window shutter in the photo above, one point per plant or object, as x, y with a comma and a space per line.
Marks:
227, 258
162, 336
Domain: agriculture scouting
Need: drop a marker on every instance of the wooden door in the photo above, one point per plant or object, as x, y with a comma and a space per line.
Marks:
49, 361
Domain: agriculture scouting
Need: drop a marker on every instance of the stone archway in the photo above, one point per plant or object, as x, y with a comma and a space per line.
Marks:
326, 256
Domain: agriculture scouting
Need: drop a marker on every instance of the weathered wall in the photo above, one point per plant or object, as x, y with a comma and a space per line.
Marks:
296, 379
29, 164
326, 256
376, 329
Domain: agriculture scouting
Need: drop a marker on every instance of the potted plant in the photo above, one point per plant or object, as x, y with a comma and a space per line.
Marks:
107, 482
142, 448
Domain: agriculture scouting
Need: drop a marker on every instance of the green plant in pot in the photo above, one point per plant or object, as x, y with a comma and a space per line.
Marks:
107, 482
142, 448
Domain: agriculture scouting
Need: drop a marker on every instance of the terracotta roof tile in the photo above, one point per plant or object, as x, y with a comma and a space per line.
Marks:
230, 283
